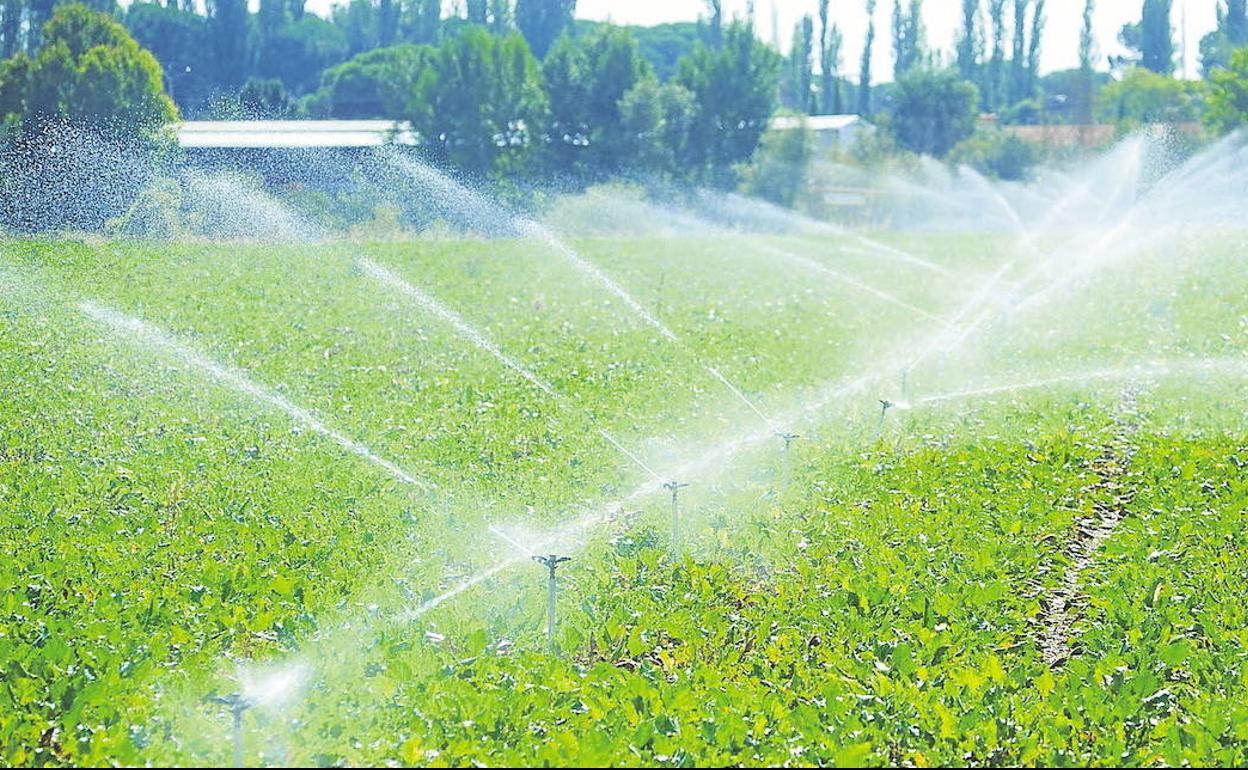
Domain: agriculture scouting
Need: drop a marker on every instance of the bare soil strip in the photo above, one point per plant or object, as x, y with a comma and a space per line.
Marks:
1059, 606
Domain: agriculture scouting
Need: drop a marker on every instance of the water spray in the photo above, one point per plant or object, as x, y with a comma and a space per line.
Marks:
238, 704
484, 342
880, 294
674, 487
144, 332
552, 563
479, 208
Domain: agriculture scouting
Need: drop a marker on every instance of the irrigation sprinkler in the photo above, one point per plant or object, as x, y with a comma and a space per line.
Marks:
885, 405
786, 458
674, 487
904, 394
237, 703
552, 563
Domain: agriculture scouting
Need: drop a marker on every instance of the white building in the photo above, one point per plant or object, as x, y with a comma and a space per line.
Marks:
831, 132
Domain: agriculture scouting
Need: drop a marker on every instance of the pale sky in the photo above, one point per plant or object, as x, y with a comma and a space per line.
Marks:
942, 18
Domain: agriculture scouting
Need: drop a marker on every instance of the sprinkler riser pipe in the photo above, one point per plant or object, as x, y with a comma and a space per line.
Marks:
552, 563
553, 589
675, 522
786, 459
238, 736
885, 405
674, 487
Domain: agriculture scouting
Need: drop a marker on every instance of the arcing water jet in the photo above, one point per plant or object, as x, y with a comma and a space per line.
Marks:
150, 335
479, 338
477, 206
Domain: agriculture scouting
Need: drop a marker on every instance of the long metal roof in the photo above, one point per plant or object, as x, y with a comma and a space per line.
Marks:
283, 134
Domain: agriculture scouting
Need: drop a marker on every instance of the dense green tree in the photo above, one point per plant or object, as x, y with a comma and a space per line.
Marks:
568, 82
89, 72
84, 111
179, 39
483, 109
422, 21
359, 22
1230, 33
1151, 39
388, 12
1070, 94
585, 79
830, 40
1087, 50
907, 36
261, 99
1033, 47
376, 84
656, 119
996, 154
228, 41
1143, 96
615, 67
1156, 37
11, 19
714, 22
864, 70
734, 88
800, 78
995, 73
501, 16
1227, 108
1018, 59
543, 21
933, 111
781, 165
970, 44
299, 51
271, 17
14, 80
38, 12
663, 45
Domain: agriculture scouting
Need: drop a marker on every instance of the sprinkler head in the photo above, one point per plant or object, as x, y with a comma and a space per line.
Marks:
551, 561
787, 438
235, 702
673, 486
885, 405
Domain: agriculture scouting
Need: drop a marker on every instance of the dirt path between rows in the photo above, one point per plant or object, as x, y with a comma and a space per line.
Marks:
1059, 605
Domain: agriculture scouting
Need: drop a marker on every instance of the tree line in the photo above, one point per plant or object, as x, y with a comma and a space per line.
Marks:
519, 87
932, 103
510, 88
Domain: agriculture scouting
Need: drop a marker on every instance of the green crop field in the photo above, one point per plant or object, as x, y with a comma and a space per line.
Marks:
232, 467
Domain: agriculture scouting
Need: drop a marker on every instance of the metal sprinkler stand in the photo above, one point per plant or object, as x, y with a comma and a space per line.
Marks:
237, 703
552, 563
885, 405
785, 466
674, 487
788, 439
